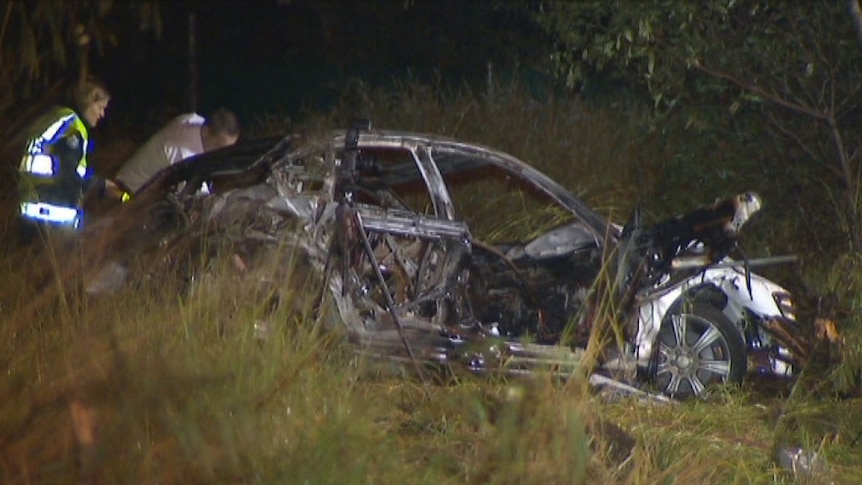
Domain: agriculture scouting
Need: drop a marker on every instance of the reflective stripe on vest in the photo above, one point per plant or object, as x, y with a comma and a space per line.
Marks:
38, 161
39, 164
44, 212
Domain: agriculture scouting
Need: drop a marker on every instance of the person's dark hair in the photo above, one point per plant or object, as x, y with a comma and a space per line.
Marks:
223, 121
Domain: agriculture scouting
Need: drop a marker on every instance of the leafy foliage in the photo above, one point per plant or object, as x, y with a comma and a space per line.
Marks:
47, 38
795, 65
788, 50
770, 90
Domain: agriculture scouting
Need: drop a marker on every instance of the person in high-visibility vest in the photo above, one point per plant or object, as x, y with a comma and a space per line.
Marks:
53, 174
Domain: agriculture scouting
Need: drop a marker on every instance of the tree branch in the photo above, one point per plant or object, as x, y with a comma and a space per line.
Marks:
801, 143
758, 90
856, 14
6, 19
827, 117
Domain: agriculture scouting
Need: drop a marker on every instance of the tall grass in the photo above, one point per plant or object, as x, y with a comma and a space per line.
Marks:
169, 381
596, 153
175, 385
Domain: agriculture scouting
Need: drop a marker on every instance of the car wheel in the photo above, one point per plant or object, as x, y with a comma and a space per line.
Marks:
697, 346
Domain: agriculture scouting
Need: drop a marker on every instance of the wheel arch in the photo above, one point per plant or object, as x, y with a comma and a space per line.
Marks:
706, 293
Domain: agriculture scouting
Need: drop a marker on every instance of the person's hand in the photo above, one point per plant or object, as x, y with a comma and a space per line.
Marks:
112, 190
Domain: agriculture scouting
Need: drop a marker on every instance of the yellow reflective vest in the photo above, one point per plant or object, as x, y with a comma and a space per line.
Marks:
54, 169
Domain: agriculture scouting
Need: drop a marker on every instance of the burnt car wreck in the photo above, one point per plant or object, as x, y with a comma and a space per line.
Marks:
382, 218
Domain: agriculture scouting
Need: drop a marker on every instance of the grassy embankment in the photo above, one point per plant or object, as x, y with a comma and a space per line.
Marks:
165, 385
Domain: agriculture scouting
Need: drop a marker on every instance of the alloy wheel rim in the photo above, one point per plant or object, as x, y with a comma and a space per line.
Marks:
692, 354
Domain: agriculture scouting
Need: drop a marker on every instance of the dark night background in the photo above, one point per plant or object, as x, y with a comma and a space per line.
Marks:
289, 57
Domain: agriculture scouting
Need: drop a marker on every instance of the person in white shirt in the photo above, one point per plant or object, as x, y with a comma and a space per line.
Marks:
185, 136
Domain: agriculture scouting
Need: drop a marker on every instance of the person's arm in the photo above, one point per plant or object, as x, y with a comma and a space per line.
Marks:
69, 151
113, 190
95, 184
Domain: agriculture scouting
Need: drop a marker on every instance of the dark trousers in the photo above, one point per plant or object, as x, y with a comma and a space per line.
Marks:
33, 232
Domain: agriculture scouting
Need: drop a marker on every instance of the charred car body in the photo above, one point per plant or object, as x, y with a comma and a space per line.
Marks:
382, 217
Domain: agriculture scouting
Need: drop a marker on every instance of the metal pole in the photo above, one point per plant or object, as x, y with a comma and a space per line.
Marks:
700, 262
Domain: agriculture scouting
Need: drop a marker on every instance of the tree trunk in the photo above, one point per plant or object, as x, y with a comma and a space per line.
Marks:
193, 62
82, 41
856, 14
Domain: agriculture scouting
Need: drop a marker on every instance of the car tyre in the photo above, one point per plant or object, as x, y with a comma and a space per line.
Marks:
697, 346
